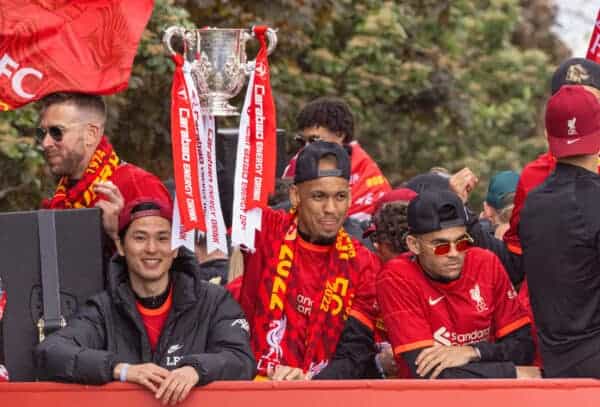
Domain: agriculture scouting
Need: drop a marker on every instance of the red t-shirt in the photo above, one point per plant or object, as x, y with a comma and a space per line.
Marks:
532, 175
367, 182
309, 265
481, 305
154, 319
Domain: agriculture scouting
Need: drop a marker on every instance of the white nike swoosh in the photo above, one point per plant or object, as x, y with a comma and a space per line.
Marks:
575, 140
174, 348
432, 302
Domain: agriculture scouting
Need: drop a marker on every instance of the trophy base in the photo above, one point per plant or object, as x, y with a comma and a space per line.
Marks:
219, 108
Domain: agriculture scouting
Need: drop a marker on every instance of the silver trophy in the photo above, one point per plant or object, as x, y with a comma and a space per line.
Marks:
218, 59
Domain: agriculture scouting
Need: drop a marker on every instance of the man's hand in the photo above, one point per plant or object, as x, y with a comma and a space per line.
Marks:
177, 385
387, 361
528, 372
111, 207
283, 372
149, 375
463, 182
437, 358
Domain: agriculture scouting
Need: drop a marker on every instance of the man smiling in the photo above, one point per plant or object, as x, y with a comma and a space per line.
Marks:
157, 324
449, 309
309, 284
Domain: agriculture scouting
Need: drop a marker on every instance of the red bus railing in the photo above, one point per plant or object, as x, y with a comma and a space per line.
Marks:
384, 393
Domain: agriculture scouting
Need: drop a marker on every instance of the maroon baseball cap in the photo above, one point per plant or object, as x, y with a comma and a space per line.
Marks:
159, 206
400, 194
573, 122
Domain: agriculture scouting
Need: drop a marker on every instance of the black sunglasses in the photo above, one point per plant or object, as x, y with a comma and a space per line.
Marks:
302, 141
56, 132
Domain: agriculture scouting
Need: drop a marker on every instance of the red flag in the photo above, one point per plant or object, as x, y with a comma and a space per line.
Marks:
83, 46
593, 52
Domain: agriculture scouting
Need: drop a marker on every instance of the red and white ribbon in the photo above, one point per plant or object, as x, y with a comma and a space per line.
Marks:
208, 202
256, 151
216, 232
185, 152
179, 237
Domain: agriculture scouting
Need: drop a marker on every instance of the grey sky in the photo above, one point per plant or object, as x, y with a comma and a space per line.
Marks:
575, 23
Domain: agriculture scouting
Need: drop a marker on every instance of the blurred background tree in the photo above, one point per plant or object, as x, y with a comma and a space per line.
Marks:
431, 82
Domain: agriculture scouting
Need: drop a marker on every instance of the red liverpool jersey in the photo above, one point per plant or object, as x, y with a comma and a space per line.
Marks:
306, 287
481, 305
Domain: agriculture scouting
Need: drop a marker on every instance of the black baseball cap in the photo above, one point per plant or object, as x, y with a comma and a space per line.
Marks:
576, 71
428, 181
307, 164
435, 210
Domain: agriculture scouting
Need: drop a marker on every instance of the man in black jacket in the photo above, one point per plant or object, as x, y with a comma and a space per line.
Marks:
157, 324
560, 236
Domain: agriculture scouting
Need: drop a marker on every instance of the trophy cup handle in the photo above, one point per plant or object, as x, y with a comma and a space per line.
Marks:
271, 44
272, 37
170, 32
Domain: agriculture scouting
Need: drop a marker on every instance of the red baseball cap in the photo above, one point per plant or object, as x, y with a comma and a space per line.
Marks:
573, 122
137, 187
400, 194
164, 210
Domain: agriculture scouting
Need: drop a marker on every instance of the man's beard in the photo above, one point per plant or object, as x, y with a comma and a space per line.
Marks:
68, 166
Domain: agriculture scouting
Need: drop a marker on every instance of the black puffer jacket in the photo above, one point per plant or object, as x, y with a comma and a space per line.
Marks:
205, 329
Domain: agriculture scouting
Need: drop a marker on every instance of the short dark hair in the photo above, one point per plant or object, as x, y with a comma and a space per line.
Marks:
330, 113
85, 101
391, 225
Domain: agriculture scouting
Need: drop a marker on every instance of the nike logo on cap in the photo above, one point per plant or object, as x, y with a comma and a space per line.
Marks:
432, 301
575, 140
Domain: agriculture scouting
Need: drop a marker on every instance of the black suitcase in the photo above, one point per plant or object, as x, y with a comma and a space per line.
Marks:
73, 243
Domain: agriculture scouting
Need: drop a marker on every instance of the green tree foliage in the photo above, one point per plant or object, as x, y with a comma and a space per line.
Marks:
444, 83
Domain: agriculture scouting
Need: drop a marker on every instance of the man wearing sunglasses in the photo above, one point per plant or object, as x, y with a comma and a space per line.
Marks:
330, 119
90, 173
450, 310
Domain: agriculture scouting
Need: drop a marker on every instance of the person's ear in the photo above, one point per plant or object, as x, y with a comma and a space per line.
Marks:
413, 244
490, 212
294, 194
92, 134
